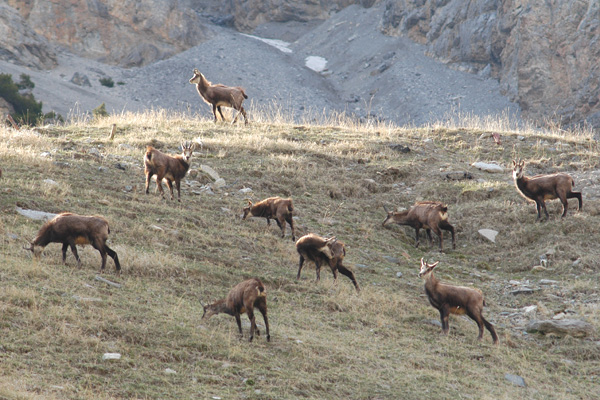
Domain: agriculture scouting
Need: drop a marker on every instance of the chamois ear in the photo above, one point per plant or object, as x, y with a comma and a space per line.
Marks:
249, 203
514, 163
432, 266
196, 71
423, 262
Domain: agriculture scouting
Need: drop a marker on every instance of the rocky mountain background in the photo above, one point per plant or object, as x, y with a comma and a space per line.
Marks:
538, 60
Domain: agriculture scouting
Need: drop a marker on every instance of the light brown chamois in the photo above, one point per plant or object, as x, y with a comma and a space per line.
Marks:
457, 300
72, 229
243, 298
545, 187
220, 95
430, 215
170, 168
273, 208
324, 250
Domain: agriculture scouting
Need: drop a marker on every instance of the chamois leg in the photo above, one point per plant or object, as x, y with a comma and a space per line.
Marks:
100, 248
538, 207
178, 185
113, 255
417, 237
74, 250
576, 195
170, 186
159, 179
215, 112
345, 271
290, 220
490, 328
318, 269
65, 246
220, 112
148, 178
428, 232
253, 327
545, 210
239, 323
262, 307
447, 227
438, 232
281, 224
300, 266
268, 221
244, 114
477, 319
444, 315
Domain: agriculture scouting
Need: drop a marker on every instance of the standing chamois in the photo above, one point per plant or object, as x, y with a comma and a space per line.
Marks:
273, 207
242, 299
459, 300
324, 250
220, 95
545, 187
424, 214
171, 168
72, 229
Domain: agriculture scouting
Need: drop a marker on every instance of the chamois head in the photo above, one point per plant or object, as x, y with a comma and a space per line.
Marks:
35, 249
197, 77
247, 210
426, 269
209, 311
518, 169
392, 216
187, 148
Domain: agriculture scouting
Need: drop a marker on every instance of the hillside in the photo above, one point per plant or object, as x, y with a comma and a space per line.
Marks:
327, 341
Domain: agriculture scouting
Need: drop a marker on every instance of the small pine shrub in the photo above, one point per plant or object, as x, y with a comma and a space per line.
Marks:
108, 82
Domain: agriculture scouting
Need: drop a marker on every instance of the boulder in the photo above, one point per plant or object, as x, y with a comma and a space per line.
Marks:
561, 327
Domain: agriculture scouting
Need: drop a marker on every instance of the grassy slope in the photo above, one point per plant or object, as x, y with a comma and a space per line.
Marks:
327, 341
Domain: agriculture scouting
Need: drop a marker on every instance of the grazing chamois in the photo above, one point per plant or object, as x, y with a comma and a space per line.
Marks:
72, 229
242, 299
459, 300
171, 168
545, 187
273, 207
220, 95
319, 250
430, 215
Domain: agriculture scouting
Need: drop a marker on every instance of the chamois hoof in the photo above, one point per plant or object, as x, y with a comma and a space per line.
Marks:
268, 338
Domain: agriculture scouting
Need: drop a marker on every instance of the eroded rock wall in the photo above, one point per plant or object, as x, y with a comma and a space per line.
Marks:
545, 54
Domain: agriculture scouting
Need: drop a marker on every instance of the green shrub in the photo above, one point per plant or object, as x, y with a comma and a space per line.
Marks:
100, 111
27, 110
108, 82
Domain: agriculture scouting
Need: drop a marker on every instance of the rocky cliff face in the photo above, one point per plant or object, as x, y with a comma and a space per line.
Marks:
127, 33
545, 54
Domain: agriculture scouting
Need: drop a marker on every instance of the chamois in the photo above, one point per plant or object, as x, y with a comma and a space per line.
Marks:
242, 299
171, 168
273, 207
545, 187
220, 95
424, 214
329, 250
457, 300
72, 229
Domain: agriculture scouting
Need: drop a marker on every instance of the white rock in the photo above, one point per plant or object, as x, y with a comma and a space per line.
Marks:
156, 228
37, 215
529, 309
111, 356
488, 167
219, 183
170, 371
211, 172
50, 182
489, 234
245, 190
316, 63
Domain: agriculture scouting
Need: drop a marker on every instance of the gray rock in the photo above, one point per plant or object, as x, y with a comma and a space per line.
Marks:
36, 215
515, 379
489, 234
562, 327
362, 265
488, 167
80, 80
398, 274
211, 172
393, 260
245, 191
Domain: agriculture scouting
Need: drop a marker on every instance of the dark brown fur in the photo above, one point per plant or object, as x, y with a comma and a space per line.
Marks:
72, 229
171, 168
457, 300
281, 210
321, 250
545, 187
220, 95
430, 215
242, 299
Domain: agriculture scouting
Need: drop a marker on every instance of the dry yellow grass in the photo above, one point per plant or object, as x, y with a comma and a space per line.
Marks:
57, 321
